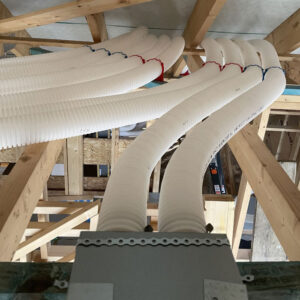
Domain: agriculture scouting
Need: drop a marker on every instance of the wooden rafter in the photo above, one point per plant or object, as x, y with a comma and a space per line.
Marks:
245, 190
43, 42
202, 17
286, 37
274, 190
97, 27
21, 191
62, 12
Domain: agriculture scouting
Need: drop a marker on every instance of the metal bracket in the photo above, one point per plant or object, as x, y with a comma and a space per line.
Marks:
153, 242
248, 278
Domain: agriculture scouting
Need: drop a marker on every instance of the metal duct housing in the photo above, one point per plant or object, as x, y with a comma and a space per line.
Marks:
161, 266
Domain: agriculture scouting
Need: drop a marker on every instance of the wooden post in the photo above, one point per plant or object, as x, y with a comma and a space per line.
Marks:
73, 160
21, 191
115, 139
44, 218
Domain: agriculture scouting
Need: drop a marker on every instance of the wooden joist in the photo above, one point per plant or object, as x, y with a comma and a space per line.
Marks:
97, 27
45, 236
285, 37
43, 42
202, 17
287, 102
21, 191
274, 190
35, 227
62, 12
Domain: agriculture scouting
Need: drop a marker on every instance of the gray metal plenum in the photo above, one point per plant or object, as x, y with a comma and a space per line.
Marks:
161, 266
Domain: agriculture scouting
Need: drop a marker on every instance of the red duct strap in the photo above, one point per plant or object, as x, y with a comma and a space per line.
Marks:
139, 56
228, 64
213, 62
161, 76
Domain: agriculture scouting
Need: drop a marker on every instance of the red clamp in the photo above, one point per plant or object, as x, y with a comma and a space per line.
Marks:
161, 76
139, 56
241, 67
213, 62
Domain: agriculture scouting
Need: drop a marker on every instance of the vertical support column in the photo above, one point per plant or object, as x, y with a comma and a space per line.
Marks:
73, 160
44, 218
115, 138
242, 203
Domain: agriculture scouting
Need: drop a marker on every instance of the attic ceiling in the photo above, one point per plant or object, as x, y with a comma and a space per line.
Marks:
238, 18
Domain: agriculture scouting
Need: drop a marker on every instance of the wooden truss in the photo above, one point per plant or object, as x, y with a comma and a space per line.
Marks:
21, 190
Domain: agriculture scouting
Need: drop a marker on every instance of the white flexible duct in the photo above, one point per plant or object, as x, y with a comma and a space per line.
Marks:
114, 65
87, 56
29, 61
26, 128
185, 200
180, 205
140, 158
93, 89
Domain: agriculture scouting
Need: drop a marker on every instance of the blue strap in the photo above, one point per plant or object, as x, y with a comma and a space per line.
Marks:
273, 67
93, 50
104, 49
120, 52
260, 67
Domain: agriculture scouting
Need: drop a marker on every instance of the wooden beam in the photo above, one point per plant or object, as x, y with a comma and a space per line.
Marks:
95, 151
287, 102
58, 207
202, 17
274, 190
194, 63
286, 128
21, 191
97, 27
286, 37
45, 236
35, 227
20, 49
62, 12
43, 42
74, 166
245, 190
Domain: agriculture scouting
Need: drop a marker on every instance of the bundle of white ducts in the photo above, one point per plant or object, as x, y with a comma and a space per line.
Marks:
181, 205
65, 119
110, 65
63, 59
124, 208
